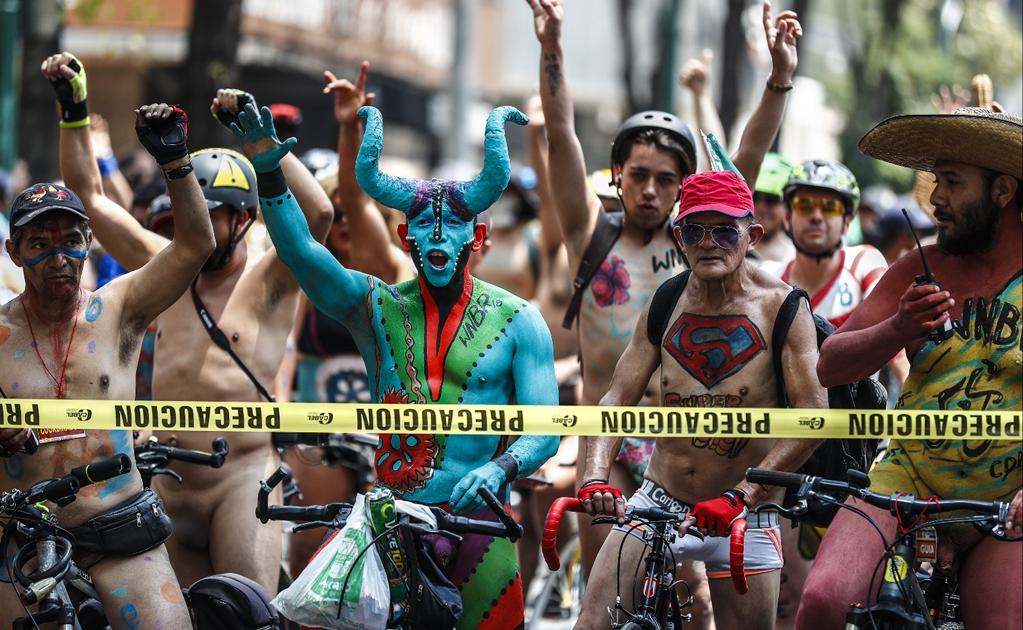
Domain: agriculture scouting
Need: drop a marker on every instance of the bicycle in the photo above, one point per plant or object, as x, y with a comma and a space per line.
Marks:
334, 516
659, 607
50, 545
901, 601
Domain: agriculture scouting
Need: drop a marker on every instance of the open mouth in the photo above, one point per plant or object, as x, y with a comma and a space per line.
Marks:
437, 259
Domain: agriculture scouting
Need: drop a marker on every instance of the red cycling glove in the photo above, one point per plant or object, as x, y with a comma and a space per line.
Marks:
593, 487
718, 514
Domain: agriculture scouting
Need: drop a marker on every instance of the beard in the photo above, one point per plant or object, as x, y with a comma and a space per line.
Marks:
974, 229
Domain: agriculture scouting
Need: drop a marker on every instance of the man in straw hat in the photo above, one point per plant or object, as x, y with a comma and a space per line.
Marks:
976, 156
444, 337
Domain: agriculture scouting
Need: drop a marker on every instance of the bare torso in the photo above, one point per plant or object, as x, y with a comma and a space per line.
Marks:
256, 317
101, 361
717, 357
613, 303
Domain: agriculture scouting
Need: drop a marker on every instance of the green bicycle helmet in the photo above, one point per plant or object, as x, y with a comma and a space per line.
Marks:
826, 175
774, 174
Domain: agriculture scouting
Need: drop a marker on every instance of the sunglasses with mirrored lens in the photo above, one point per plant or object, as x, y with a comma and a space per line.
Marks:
829, 207
724, 236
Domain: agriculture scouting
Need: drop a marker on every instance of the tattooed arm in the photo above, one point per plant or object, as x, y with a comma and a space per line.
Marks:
576, 207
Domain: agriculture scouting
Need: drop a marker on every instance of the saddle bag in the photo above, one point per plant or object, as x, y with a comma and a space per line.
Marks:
229, 601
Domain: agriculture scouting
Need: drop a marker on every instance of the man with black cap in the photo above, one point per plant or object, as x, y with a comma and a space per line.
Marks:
252, 301
58, 340
959, 321
622, 259
705, 336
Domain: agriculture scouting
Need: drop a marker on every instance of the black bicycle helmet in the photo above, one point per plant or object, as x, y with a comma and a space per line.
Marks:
654, 120
226, 177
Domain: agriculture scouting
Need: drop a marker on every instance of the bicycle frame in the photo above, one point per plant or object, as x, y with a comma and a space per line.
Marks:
658, 594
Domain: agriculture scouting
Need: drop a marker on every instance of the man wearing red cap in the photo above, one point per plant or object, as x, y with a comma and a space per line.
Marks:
710, 338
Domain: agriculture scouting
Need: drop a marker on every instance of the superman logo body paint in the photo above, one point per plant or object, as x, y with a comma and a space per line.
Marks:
713, 348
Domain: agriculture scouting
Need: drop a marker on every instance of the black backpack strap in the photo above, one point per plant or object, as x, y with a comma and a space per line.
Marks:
782, 323
663, 304
220, 339
605, 234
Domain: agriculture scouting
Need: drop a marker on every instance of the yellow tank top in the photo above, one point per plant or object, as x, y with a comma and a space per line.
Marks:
979, 368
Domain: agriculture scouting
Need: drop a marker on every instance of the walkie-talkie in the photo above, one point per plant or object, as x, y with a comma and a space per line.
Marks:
928, 278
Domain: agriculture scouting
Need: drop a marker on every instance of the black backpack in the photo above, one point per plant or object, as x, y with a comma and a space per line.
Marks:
834, 457
229, 601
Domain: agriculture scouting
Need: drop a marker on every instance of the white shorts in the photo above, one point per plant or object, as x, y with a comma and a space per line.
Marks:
763, 537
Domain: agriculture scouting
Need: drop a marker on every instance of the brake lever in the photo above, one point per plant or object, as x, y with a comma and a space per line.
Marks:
166, 471
311, 525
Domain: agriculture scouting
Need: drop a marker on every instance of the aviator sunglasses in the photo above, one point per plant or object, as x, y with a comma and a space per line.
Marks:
829, 207
724, 236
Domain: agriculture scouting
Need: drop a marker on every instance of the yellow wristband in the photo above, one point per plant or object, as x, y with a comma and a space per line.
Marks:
74, 124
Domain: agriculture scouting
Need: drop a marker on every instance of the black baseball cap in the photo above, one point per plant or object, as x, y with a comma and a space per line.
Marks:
39, 199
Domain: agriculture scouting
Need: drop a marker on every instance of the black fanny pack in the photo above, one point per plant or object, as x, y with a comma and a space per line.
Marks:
127, 529
436, 602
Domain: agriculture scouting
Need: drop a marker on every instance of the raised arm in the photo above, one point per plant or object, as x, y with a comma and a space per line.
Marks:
331, 288
536, 149
694, 76
119, 232
576, 208
763, 125
163, 130
372, 251
308, 194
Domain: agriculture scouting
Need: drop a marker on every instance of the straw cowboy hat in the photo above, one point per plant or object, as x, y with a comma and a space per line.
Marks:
971, 135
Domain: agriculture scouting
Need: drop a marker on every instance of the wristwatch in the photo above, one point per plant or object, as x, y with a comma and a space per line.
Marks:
179, 172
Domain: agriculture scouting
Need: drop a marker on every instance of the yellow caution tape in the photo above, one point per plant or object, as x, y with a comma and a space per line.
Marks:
508, 419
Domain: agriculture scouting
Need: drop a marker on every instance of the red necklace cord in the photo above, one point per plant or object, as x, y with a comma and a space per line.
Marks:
60, 382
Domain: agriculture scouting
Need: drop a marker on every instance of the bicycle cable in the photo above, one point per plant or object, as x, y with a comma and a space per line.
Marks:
5, 541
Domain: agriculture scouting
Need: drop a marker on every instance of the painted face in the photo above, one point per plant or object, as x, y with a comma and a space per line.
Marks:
715, 243
967, 217
817, 219
52, 250
650, 182
439, 232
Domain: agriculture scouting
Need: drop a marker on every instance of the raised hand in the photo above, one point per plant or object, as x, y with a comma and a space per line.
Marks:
67, 77
259, 138
547, 18
348, 98
782, 33
695, 72
228, 103
163, 131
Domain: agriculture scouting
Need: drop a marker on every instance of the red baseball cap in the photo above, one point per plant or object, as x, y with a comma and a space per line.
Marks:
715, 191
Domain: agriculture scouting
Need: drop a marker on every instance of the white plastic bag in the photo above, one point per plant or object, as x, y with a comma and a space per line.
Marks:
312, 598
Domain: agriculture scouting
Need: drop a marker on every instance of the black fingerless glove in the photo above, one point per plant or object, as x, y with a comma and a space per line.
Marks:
71, 110
165, 138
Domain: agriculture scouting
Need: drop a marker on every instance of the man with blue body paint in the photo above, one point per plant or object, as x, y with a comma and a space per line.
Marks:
444, 337
58, 340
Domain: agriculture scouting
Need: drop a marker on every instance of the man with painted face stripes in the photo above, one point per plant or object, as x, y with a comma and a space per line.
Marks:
444, 337
253, 301
59, 340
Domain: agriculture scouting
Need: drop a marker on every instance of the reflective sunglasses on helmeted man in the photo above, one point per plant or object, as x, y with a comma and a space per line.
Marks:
724, 236
829, 207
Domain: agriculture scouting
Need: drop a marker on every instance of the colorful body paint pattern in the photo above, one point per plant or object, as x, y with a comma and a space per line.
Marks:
713, 348
978, 368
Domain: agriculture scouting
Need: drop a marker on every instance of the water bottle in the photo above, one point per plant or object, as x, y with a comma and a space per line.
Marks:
383, 516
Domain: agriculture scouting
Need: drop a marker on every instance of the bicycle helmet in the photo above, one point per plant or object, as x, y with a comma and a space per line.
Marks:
158, 212
774, 174
825, 175
226, 177
663, 121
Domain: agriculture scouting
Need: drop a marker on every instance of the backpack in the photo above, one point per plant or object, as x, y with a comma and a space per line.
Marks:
229, 601
834, 457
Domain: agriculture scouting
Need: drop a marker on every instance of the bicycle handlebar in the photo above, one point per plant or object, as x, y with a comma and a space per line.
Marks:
153, 449
336, 514
103, 470
905, 505
61, 490
549, 541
